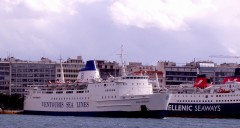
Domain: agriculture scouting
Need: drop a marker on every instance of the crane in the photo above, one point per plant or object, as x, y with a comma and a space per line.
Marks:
223, 56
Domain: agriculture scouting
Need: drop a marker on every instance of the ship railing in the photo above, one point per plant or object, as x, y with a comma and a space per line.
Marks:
59, 91
63, 87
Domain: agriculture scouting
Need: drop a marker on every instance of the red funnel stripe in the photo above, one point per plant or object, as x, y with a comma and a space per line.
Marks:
201, 82
231, 78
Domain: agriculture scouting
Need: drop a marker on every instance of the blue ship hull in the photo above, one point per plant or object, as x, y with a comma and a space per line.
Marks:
136, 114
221, 110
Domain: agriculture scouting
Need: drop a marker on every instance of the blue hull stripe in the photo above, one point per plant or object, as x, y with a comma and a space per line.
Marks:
227, 110
136, 114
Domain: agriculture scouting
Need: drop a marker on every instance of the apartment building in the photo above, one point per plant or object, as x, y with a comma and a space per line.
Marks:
4, 77
17, 74
175, 75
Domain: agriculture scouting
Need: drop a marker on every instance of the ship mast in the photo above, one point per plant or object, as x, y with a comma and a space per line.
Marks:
62, 74
157, 83
123, 66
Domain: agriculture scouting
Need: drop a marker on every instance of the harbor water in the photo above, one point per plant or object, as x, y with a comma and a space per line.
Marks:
35, 121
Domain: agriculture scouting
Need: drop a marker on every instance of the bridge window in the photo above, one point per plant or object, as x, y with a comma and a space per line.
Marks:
80, 91
59, 92
69, 91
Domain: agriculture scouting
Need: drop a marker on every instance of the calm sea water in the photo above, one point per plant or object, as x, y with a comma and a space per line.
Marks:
34, 121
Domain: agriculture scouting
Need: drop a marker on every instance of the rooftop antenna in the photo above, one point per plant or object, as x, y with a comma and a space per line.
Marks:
62, 74
197, 67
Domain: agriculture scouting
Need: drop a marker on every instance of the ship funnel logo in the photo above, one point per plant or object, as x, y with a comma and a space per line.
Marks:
199, 82
82, 75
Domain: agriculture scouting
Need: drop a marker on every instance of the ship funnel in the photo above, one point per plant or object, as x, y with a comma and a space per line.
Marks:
235, 78
202, 82
237, 72
89, 73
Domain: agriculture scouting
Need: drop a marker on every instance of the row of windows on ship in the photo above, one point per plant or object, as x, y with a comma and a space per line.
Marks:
119, 84
61, 92
71, 98
80, 98
134, 77
206, 96
207, 100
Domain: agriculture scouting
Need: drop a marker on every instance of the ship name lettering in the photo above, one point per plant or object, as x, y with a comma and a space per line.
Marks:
196, 108
180, 107
82, 104
52, 104
207, 108
69, 104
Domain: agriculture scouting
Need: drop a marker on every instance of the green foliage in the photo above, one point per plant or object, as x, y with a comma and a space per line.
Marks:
13, 102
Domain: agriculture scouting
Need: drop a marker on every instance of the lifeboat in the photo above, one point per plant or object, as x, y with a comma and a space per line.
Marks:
223, 91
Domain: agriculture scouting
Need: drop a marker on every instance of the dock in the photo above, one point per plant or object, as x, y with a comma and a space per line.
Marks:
10, 111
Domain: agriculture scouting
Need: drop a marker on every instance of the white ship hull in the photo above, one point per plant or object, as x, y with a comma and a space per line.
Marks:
153, 106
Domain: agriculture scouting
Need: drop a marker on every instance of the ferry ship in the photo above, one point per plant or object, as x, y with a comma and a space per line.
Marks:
125, 96
202, 99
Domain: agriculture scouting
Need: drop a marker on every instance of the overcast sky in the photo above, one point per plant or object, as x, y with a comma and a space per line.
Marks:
149, 30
